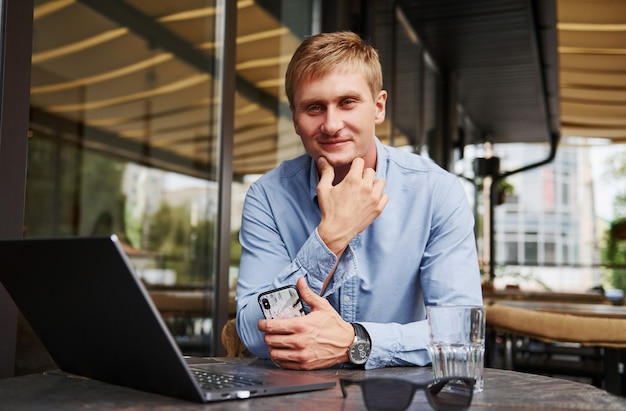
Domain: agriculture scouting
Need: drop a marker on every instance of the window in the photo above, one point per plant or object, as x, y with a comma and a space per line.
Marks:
126, 132
530, 253
511, 252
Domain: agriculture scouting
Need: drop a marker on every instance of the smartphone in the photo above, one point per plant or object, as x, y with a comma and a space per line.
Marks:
282, 302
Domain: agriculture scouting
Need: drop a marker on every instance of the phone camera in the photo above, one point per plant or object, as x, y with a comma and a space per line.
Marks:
266, 303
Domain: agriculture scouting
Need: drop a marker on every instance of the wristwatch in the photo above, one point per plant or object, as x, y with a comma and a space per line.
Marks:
360, 349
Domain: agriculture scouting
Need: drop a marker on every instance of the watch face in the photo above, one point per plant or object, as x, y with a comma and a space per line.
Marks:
359, 352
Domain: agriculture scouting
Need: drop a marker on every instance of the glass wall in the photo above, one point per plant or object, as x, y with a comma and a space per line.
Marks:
126, 128
125, 134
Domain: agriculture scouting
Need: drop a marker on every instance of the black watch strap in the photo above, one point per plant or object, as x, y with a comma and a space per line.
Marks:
360, 332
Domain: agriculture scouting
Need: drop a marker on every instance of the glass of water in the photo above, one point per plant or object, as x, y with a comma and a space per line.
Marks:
457, 342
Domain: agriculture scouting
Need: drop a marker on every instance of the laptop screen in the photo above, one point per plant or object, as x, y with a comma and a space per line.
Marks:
96, 319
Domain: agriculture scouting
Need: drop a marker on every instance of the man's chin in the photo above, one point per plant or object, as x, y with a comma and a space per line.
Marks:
338, 165
338, 160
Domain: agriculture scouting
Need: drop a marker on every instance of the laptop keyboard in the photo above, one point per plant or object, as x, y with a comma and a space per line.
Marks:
214, 381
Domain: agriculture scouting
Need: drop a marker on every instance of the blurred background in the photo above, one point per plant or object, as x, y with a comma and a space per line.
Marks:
150, 118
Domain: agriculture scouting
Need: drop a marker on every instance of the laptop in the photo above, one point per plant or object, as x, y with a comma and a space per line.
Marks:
96, 319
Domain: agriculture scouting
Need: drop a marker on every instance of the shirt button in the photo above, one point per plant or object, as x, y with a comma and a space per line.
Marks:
346, 298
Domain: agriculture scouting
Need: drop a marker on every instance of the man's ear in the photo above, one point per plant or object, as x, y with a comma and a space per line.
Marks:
381, 101
295, 123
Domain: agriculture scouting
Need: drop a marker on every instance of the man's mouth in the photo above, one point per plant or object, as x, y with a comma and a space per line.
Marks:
334, 142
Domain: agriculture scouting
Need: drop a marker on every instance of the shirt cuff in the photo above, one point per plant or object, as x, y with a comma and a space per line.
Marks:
388, 349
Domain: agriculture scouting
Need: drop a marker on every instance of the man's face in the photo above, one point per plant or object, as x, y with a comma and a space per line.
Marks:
336, 117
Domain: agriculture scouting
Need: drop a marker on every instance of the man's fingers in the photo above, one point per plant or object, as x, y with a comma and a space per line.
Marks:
369, 174
378, 188
278, 326
313, 300
327, 172
358, 171
356, 168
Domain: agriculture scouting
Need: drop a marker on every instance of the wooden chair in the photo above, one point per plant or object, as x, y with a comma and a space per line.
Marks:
561, 344
231, 341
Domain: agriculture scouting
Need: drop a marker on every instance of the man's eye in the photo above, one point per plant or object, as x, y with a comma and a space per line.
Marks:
348, 102
314, 109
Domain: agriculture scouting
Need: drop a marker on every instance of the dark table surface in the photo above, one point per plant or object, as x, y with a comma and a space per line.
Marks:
504, 390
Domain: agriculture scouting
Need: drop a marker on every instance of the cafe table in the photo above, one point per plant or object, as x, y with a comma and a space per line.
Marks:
504, 390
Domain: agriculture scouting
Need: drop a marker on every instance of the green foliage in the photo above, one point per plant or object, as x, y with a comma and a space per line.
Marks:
614, 255
616, 171
235, 249
100, 188
619, 204
72, 191
189, 250
503, 190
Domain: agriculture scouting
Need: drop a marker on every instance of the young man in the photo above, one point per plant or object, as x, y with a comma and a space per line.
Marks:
370, 234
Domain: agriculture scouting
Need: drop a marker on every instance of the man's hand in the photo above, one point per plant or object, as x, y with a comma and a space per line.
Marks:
350, 206
320, 339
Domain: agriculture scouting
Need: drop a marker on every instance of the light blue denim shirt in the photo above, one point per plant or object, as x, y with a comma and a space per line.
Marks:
420, 251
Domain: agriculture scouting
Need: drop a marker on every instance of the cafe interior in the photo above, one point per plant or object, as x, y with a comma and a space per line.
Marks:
148, 119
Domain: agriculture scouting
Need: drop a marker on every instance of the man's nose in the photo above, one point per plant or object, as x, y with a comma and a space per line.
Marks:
332, 122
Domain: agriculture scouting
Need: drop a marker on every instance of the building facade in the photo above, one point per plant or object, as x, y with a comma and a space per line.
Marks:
545, 231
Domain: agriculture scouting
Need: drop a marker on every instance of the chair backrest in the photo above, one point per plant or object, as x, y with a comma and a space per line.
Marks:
555, 327
231, 341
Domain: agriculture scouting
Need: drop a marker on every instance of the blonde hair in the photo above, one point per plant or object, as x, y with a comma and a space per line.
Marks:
320, 54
